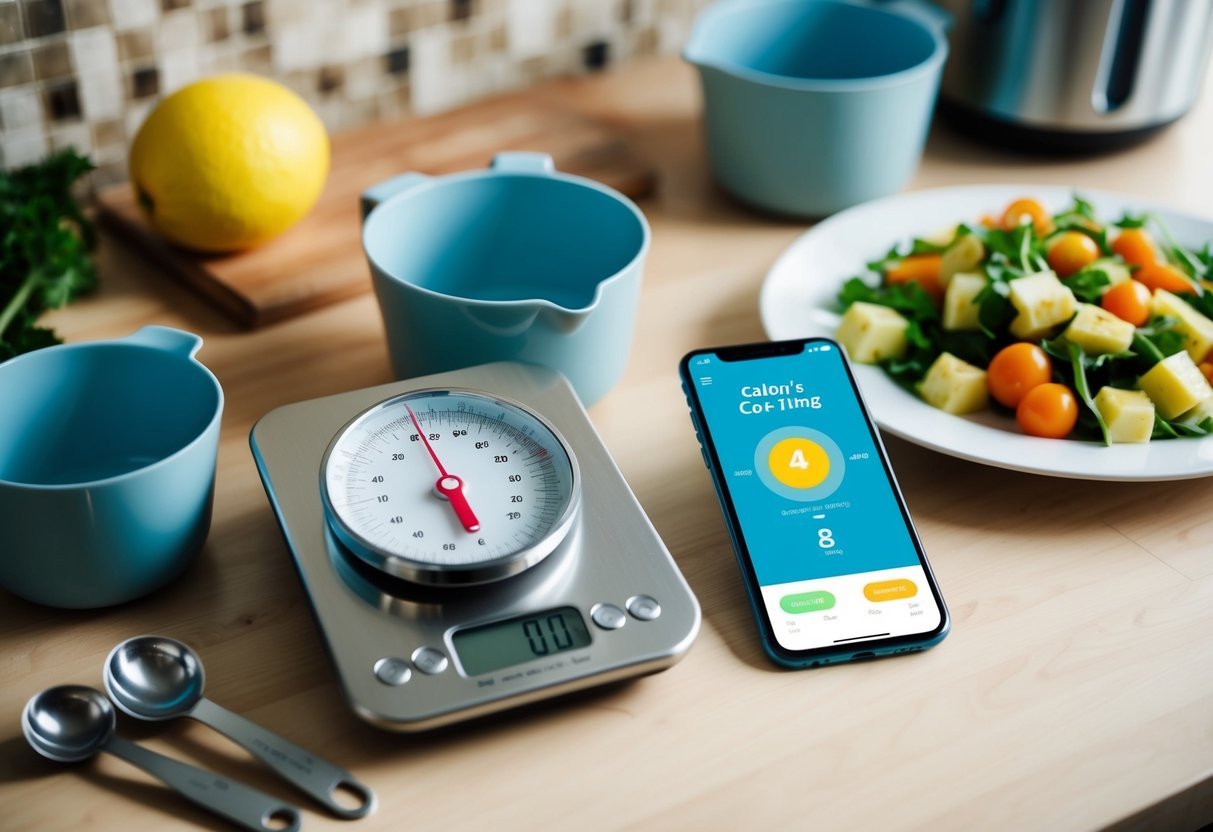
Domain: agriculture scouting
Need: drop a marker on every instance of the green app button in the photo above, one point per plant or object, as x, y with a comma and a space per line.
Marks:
807, 602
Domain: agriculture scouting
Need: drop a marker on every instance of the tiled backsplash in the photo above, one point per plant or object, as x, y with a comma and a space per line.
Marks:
86, 72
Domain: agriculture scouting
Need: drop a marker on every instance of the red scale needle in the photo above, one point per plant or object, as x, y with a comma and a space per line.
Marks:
448, 485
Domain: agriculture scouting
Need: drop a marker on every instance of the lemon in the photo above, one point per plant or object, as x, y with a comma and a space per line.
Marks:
229, 162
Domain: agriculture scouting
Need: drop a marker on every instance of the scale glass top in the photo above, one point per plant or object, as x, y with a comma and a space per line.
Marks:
468, 545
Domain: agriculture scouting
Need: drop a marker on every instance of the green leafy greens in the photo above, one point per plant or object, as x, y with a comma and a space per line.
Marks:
44, 243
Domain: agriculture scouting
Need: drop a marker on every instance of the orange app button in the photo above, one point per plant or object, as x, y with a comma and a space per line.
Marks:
890, 590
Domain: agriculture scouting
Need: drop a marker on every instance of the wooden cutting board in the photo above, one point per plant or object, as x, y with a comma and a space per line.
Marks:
319, 261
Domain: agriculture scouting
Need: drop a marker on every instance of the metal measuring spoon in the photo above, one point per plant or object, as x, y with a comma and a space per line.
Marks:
157, 678
71, 723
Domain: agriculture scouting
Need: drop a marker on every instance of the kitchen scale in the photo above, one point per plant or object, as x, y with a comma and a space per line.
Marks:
468, 545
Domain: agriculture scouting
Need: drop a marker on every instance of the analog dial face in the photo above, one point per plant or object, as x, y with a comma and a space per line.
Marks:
450, 486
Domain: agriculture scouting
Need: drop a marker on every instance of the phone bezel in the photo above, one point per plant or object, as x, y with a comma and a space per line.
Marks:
815, 655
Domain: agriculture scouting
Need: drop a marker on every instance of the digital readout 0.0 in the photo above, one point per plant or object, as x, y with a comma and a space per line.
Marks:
517, 640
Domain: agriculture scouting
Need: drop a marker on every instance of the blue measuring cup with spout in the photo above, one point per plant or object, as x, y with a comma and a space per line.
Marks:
516, 262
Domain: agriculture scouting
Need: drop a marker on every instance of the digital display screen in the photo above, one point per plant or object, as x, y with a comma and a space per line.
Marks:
517, 640
833, 552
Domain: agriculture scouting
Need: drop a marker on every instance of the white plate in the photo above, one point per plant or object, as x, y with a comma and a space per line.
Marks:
798, 299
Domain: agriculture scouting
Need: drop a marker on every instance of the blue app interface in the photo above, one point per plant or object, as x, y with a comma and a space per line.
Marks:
831, 549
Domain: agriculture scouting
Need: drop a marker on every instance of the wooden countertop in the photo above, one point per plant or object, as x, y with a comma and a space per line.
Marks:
1075, 691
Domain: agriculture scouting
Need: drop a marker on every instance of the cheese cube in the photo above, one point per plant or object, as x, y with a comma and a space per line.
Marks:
964, 255
1043, 302
1116, 271
1175, 385
954, 385
1098, 331
1202, 412
960, 309
1196, 329
871, 333
1129, 414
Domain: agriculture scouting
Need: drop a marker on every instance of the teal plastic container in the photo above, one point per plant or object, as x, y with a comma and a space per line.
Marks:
518, 262
812, 106
107, 467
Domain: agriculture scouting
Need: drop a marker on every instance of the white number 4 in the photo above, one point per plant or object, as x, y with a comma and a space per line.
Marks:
798, 460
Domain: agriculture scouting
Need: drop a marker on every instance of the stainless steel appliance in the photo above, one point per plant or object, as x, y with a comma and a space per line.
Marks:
1074, 75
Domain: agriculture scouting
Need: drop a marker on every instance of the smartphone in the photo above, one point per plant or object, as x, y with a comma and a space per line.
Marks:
832, 564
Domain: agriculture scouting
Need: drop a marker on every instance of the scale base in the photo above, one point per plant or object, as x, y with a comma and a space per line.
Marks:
391, 641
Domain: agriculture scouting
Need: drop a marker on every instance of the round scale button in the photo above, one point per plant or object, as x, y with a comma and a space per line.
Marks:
430, 660
644, 607
392, 671
608, 616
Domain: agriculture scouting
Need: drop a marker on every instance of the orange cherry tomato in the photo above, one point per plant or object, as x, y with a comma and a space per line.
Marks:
1070, 252
1015, 370
1135, 246
923, 269
1206, 367
1164, 276
1048, 410
1027, 209
1129, 301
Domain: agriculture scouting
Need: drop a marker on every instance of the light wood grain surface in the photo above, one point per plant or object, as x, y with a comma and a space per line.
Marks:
1075, 692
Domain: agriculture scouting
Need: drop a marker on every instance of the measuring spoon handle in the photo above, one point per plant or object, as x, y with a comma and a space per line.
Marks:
316, 777
238, 803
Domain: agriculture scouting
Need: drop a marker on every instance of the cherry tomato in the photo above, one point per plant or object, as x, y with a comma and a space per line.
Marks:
1164, 276
1136, 246
1206, 367
1048, 410
1070, 252
1029, 209
923, 269
1129, 301
1015, 370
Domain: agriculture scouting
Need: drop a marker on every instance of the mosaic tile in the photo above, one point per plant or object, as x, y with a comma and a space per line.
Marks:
20, 109
93, 50
87, 72
71, 135
144, 82
84, 14
43, 17
216, 25
10, 23
252, 17
177, 31
16, 68
24, 148
62, 101
130, 14
101, 94
51, 60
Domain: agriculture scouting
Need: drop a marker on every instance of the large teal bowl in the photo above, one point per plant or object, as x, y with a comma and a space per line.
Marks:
812, 106
107, 467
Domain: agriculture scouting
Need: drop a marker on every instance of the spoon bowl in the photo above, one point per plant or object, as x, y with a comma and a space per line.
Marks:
154, 678
157, 678
69, 723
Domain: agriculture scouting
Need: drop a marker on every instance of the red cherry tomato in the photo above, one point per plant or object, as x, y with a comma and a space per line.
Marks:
1048, 410
1071, 251
1015, 370
1129, 301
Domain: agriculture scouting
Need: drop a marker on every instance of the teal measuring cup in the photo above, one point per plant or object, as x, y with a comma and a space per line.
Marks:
517, 262
107, 467
812, 106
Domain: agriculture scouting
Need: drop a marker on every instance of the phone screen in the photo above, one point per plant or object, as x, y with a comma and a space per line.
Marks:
830, 545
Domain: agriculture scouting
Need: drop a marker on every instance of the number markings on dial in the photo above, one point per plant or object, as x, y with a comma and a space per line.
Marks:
384, 485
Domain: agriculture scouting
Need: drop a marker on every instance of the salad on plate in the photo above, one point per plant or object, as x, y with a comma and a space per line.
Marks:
1074, 325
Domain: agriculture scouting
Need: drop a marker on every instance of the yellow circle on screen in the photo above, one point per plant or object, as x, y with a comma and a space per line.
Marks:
798, 462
